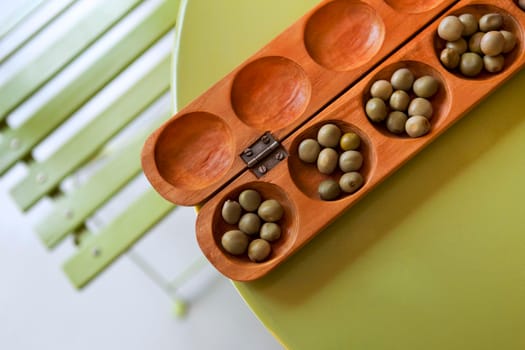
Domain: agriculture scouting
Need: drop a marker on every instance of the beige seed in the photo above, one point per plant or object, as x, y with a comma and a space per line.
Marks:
376, 109
382, 89
450, 58
490, 21
402, 79
471, 64
425, 86
450, 28
459, 45
399, 100
395, 122
420, 106
351, 182
259, 250
492, 43
470, 24
327, 161
510, 41
494, 64
417, 126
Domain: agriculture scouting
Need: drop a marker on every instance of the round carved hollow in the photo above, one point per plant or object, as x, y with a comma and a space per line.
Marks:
344, 34
194, 150
270, 92
288, 222
440, 101
307, 177
509, 23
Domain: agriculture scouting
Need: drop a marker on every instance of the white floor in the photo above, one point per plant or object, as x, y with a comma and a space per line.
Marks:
123, 308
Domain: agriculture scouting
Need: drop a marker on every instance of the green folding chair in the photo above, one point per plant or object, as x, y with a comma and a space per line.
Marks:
118, 166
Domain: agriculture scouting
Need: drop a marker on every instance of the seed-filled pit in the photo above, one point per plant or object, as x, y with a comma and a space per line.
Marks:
278, 246
407, 100
307, 176
344, 34
194, 151
270, 92
470, 66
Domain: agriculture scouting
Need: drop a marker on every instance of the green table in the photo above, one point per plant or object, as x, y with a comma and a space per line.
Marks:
433, 258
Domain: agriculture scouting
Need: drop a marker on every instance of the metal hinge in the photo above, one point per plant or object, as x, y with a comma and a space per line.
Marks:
263, 155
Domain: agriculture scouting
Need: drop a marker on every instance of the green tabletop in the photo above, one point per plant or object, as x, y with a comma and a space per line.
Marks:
433, 258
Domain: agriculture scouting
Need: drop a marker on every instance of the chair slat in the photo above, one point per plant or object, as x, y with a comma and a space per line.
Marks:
44, 177
23, 9
116, 238
30, 25
62, 50
17, 143
71, 211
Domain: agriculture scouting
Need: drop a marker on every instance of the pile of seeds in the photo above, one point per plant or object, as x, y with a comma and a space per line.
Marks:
473, 45
257, 225
331, 150
402, 103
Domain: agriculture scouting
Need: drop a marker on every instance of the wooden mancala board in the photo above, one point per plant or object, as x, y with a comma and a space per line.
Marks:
317, 71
